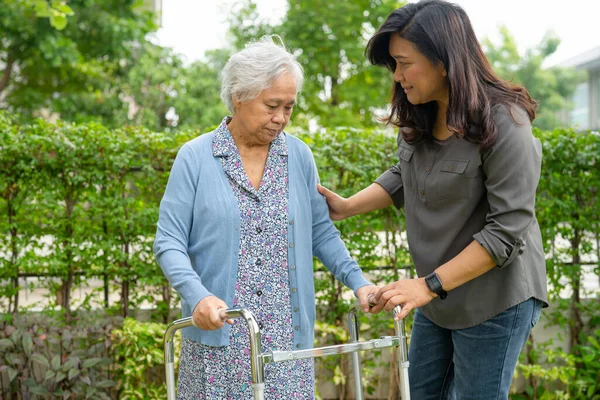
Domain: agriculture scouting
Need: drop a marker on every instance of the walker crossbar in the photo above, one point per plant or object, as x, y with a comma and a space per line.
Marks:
277, 356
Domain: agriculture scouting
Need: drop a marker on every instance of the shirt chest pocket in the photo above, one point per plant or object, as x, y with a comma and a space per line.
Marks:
405, 154
452, 180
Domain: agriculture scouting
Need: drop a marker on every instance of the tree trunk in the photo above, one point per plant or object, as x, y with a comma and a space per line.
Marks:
334, 93
11, 195
343, 386
392, 245
105, 274
126, 278
576, 325
67, 283
533, 380
66, 293
125, 297
7, 72
393, 389
125, 284
598, 251
166, 295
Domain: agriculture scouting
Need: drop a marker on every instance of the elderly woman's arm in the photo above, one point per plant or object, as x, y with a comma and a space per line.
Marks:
327, 244
171, 242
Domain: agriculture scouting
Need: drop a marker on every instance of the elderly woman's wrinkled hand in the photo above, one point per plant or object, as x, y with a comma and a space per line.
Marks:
206, 314
365, 295
408, 293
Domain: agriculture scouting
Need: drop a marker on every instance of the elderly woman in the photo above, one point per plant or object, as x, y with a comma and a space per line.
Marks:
240, 221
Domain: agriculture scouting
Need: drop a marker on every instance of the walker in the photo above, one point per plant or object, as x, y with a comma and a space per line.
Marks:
258, 358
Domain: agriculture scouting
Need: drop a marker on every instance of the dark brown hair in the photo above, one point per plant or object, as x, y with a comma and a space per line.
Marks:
442, 32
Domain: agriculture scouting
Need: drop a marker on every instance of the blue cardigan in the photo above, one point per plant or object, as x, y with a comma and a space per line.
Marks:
198, 236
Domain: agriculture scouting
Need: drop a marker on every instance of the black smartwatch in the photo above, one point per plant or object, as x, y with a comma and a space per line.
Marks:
435, 285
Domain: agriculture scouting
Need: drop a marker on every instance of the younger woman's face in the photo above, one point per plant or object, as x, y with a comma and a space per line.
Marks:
421, 80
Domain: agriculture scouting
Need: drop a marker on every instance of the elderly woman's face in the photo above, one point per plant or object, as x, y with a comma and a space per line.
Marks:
267, 115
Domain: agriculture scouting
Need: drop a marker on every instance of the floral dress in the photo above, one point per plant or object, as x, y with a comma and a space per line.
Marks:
262, 287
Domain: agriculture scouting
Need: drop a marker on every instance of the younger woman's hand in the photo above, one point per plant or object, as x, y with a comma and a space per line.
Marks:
337, 204
408, 293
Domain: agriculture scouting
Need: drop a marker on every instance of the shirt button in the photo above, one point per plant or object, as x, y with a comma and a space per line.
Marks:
291, 244
298, 345
422, 192
453, 167
295, 309
291, 222
297, 328
293, 267
428, 168
259, 292
258, 262
294, 290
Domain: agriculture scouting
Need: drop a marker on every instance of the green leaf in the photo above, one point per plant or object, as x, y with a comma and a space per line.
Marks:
14, 359
62, 7
529, 390
12, 374
55, 363
6, 343
42, 9
58, 21
105, 384
69, 364
60, 376
73, 373
90, 391
40, 359
49, 374
39, 390
27, 343
90, 362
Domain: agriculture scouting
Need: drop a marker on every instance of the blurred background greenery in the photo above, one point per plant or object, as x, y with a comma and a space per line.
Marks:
92, 113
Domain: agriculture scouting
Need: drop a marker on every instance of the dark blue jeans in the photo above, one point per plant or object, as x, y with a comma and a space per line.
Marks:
476, 363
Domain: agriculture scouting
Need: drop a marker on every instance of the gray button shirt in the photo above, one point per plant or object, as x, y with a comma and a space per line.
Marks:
454, 194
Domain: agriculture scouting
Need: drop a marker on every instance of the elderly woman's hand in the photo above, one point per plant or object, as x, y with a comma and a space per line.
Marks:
206, 315
408, 293
364, 293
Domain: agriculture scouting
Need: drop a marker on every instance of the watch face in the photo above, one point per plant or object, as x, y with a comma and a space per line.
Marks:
433, 282
435, 285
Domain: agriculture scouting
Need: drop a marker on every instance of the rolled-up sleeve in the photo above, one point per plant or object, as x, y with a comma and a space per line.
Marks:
512, 172
391, 182
174, 223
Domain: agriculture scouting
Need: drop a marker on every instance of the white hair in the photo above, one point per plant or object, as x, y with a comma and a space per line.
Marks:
254, 69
